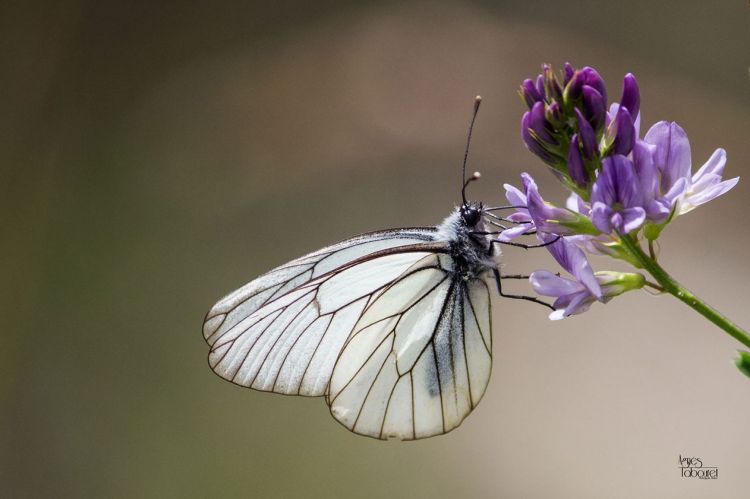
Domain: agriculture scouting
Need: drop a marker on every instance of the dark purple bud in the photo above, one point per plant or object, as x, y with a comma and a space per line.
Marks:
624, 132
631, 96
538, 123
530, 93
531, 143
592, 79
574, 87
594, 107
576, 168
588, 136
554, 114
568, 73
540, 84
551, 85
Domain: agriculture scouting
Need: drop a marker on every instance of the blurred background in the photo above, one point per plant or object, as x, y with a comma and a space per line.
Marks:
155, 157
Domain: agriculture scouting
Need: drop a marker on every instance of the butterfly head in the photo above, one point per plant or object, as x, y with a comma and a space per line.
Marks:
471, 214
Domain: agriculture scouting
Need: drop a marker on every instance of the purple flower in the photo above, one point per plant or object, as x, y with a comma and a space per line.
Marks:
707, 183
533, 213
549, 218
616, 202
573, 298
671, 157
521, 216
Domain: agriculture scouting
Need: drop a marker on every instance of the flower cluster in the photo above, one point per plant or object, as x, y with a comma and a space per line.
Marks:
623, 188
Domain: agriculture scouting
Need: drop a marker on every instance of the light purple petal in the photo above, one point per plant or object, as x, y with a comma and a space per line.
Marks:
617, 183
645, 170
577, 304
672, 155
548, 284
633, 218
514, 232
601, 216
514, 195
714, 165
677, 190
572, 259
707, 195
658, 210
576, 204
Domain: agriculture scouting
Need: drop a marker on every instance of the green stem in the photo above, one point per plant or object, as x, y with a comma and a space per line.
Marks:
681, 293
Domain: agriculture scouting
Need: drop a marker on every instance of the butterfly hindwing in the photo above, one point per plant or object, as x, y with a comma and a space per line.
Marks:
419, 358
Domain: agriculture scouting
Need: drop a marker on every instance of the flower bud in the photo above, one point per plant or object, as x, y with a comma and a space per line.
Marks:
622, 132
576, 168
568, 73
588, 137
529, 93
594, 108
631, 96
617, 283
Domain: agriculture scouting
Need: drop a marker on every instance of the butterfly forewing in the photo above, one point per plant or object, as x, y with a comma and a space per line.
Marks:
240, 304
419, 358
274, 336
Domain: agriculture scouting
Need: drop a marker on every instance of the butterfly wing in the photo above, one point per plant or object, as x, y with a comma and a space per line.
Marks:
284, 331
419, 358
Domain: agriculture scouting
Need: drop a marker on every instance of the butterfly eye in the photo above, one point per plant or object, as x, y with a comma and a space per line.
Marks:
470, 215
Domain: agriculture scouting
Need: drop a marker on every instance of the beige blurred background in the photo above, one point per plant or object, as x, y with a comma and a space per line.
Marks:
155, 157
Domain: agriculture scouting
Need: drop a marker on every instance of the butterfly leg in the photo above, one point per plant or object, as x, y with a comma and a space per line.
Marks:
527, 246
499, 278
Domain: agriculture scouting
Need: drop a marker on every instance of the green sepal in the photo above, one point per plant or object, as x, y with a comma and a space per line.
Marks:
743, 362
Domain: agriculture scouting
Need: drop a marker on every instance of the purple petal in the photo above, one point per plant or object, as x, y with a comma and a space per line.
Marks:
531, 143
714, 165
678, 189
573, 260
571, 305
658, 210
601, 216
568, 72
631, 96
514, 232
595, 107
588, 136
617, 183
576, 169
530, 93
632, 219
576, 204
592, 79
672, 154
548, 284
514, 195
538, 123
540, 84
624, 132
645, 170
707, 195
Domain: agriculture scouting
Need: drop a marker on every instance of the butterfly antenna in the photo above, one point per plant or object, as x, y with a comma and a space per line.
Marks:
476, 175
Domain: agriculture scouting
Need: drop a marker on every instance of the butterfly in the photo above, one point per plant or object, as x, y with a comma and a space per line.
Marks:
393, 328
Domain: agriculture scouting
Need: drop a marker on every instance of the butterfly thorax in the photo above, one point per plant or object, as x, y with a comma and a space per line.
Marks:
471, 251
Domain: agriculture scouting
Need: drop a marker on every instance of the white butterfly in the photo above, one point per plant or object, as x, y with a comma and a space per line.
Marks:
393, 327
